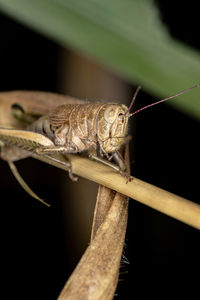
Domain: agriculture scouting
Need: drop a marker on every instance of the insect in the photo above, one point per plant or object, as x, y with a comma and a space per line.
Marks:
99, 129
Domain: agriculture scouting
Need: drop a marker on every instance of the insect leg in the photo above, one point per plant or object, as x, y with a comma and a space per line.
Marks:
120, 164
104, 161
12, 153
23, 183
66, 164
56, 149
117, 157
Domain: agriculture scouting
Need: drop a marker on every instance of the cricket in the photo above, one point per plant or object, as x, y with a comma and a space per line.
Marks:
97, 129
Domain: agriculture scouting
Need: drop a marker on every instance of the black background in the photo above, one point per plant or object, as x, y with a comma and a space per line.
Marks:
163, 253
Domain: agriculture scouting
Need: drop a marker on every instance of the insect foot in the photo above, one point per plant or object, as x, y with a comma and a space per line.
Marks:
126, 176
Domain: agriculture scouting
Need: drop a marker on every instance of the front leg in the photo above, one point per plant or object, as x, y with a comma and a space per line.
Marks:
104, 161
117, 157
92, 153
118, 166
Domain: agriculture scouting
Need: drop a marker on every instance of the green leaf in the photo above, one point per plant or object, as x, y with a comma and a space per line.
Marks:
124, 35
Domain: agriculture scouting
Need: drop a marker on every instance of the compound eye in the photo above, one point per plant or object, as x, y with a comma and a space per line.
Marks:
121, 117
110, 114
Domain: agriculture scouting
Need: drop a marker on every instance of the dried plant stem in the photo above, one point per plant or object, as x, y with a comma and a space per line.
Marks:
148, 194
105, 198
104, 201
96, 275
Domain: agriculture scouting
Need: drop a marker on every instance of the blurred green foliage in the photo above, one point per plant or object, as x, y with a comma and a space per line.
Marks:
124, 35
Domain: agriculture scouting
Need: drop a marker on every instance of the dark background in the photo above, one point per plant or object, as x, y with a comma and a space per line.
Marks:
163, 253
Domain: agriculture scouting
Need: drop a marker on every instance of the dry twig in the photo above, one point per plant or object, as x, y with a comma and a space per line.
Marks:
148, 194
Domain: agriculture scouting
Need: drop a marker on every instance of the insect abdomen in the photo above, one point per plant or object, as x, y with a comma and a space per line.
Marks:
75, 124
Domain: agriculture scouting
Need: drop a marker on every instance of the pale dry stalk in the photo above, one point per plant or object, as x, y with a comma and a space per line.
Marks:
168, 203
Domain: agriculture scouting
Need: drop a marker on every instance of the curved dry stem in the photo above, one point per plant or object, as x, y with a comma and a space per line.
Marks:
96, 275
104, 201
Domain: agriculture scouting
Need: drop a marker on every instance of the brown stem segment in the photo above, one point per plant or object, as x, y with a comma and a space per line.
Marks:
96, 275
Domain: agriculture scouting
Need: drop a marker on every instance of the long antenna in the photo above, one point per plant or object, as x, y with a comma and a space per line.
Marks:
133, 100
163, 100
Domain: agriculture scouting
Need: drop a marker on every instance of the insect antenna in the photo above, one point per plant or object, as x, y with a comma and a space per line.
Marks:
133, 100
160, 101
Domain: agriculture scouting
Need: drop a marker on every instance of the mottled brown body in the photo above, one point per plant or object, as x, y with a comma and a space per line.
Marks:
88, 127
